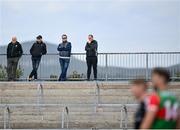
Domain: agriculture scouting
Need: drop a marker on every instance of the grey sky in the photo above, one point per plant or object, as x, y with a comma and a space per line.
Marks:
118, 25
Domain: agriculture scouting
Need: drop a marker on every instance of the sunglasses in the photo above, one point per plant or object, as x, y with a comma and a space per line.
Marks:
64, 38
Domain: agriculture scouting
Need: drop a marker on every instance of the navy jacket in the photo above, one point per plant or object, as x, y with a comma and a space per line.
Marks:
64, 50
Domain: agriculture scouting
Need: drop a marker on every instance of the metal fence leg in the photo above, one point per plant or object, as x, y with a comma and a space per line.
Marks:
97, 96
65, 109
121, 119
125, 116
147, 67
5, 118
62, 119
9, 116
40, 98
106, 60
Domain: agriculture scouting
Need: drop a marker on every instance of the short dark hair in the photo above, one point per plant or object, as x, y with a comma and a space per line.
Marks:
91, 35
39, 37
139, 82
64, 35
162, 72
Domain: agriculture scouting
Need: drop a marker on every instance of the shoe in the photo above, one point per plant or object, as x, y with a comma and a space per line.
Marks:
29, 79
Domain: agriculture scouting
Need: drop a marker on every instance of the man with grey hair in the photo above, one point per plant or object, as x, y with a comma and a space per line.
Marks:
14, 52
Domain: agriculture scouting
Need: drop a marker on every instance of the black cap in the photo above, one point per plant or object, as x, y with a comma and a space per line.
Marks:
39, 37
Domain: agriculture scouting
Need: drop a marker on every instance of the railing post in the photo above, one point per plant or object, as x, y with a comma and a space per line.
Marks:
126, 116
147, 67
106, 66
97, 96
7, 118
40, 97
65, 109
121, 118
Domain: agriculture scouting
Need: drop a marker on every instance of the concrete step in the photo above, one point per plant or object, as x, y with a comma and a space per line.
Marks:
85, 93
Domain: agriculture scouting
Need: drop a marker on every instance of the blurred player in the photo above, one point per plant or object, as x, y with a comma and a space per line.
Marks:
163, 107
138, 89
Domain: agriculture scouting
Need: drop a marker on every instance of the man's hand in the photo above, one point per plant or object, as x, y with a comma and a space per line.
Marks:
89, 42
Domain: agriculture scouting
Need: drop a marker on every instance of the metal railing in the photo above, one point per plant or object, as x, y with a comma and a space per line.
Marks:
64, 114
66, 108
111, 66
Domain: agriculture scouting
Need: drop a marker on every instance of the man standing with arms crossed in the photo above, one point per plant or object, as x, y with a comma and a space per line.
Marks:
14, 52
91, 56
64, 49
37, 50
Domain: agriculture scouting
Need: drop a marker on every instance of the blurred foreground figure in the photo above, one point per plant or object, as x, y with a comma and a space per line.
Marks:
14, 52
64, 49
138, 90
91, 56
37, 50
163, 107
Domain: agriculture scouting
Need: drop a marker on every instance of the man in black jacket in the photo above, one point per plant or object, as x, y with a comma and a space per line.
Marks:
14, 52
91, 56
37, 50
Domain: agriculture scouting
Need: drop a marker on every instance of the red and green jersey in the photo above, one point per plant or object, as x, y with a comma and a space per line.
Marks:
166, 107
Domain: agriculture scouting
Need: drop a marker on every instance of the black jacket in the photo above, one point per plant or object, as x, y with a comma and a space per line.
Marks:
91, 49
14, 50
38, 49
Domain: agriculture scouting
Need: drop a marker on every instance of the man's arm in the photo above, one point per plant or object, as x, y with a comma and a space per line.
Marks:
68, 47
20, 50
178, 120
152, 108
95, 46
148, 120
7, 52
87, 47
60, 48
44, 51
31, 50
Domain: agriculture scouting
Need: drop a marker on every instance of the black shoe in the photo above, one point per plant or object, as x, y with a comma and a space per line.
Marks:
30, 79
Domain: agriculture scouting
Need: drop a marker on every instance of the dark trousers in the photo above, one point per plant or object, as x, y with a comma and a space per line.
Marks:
12, 67
35, 65
91, 62
64, 63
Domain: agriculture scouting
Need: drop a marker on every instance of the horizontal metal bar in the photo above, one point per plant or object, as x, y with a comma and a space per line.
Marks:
110, 53
62, 105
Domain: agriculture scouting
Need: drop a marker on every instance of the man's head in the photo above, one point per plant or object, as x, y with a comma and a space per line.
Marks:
160, 77
90, 37
39, 39
14, 39
64, 38
138, 88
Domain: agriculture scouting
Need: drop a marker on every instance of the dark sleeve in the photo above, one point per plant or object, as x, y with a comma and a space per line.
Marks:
60, 48
31, 50
95, 46
68, 47
87, 47
7, 53
44, 50
20, 50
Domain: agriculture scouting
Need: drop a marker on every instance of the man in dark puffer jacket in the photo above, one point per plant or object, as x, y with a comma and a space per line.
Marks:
91, 56
14, 52
37, 50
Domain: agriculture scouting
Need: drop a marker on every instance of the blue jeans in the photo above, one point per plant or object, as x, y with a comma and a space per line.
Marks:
35, 65
64, 63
